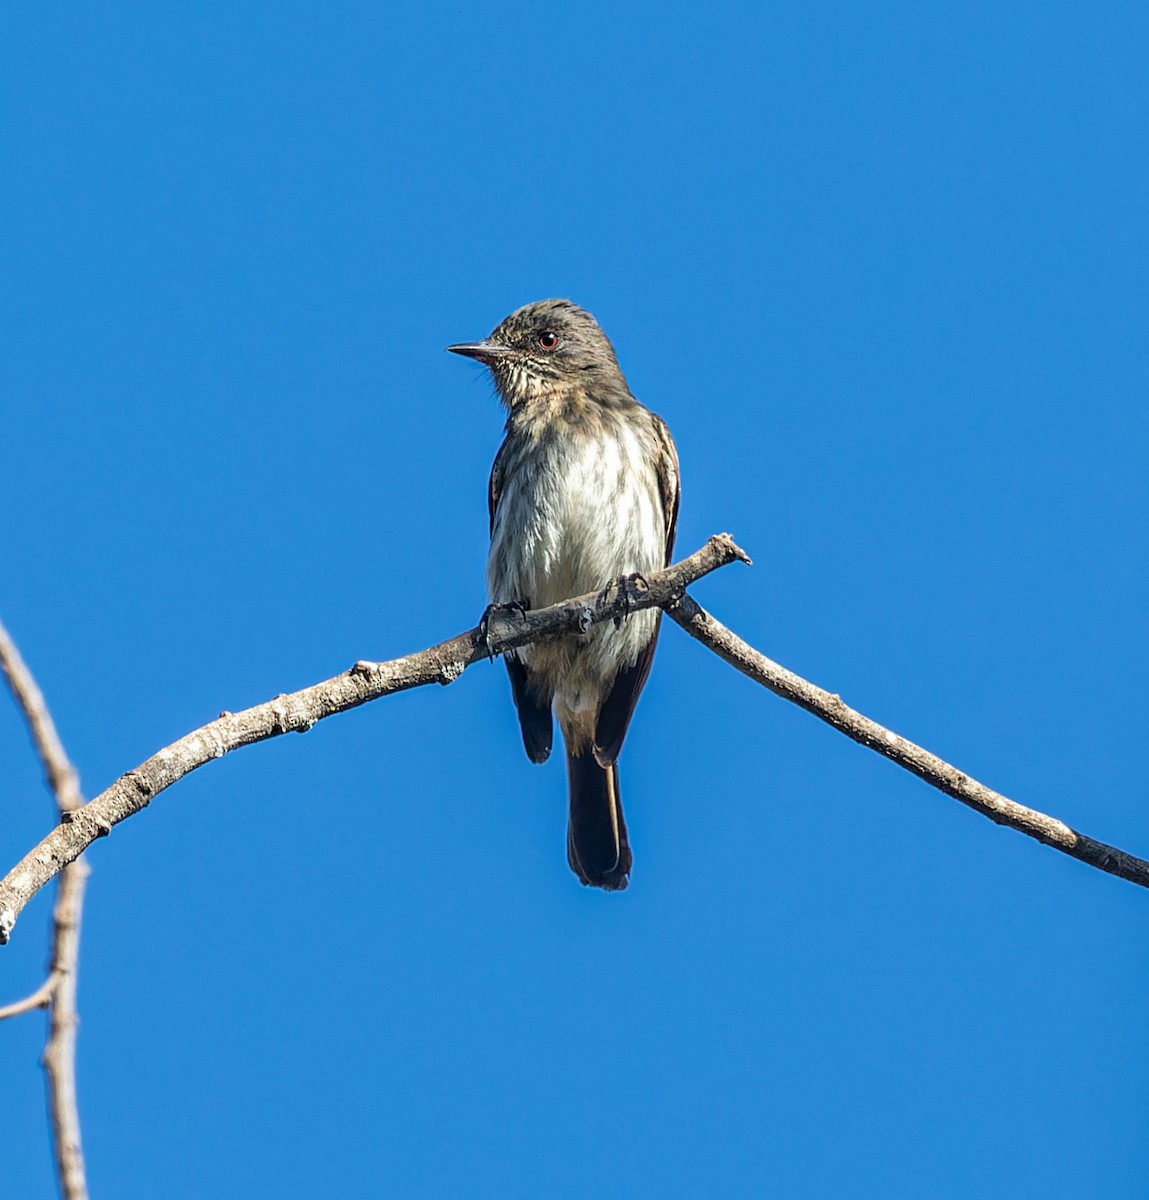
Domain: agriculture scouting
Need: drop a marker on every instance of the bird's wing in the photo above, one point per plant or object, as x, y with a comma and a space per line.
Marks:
534, 710
668, 483
618, 707
495, 486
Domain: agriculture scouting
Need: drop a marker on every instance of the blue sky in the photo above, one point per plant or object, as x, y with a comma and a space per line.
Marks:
883, 272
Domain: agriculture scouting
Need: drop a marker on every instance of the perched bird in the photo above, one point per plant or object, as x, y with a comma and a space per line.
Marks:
584, 491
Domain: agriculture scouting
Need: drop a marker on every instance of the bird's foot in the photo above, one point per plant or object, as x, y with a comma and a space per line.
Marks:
516, 608
624, 591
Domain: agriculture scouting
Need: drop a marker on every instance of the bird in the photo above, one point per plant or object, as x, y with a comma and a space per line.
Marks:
583, 496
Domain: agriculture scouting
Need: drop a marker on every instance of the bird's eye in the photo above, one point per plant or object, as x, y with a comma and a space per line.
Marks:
548, 340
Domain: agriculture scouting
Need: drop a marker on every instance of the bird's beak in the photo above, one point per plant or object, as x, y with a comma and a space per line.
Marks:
486, 352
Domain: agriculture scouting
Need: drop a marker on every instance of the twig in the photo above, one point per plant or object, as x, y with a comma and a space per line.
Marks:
299, 711
59, 1057
58, 991
62, 777
40, 998
444, 663
939, 774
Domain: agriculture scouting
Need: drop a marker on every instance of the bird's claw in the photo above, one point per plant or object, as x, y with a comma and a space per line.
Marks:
483, 633
624, 591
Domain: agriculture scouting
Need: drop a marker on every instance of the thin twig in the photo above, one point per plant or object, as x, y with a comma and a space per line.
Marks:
58, 991
62, 777
299, 711
935, 771
444, 663
59, 1057
40, 998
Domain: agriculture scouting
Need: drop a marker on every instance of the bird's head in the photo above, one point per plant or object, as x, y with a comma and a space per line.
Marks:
543, 348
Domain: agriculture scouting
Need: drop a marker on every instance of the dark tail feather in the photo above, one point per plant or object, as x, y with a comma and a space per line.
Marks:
597, 848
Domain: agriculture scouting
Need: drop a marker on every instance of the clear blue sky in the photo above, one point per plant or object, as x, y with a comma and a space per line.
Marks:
883, 270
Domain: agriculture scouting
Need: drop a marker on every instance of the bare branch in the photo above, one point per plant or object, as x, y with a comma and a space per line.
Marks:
939, 774
40, 998
299, 711
59, 1058
58, 992
366, 681
62, 777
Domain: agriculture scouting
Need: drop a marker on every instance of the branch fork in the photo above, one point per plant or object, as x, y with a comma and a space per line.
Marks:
299, 711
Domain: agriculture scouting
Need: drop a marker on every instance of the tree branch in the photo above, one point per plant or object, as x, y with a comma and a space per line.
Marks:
59, 1057
935, 771
58, 991
62, 777
299, 711
444, 663
40, 998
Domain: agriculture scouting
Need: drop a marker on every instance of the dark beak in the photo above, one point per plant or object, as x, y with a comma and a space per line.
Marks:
485, 352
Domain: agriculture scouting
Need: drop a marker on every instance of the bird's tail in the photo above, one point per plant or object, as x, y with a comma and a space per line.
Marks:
597, 849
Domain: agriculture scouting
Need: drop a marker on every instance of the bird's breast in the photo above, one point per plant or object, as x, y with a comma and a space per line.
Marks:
577, 509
